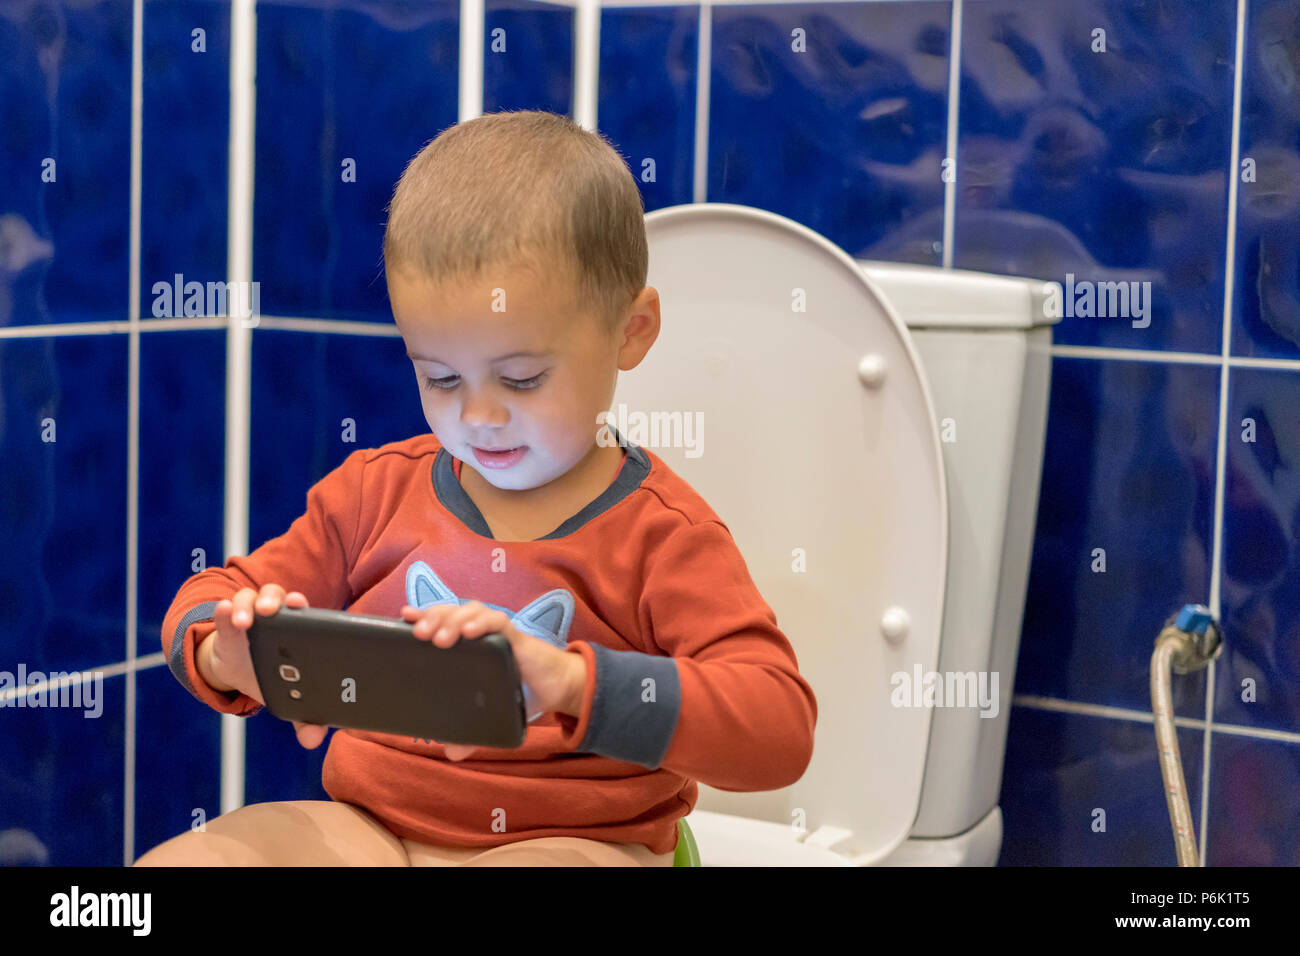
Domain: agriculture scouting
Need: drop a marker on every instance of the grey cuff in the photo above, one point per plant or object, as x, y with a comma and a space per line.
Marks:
634, 713
206, 611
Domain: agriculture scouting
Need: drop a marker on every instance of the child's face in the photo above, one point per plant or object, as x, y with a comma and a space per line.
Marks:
483, 396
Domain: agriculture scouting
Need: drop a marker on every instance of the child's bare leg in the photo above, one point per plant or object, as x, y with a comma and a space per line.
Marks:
288, 833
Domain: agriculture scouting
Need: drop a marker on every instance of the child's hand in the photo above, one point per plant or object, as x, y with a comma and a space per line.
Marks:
231, 661
549, 673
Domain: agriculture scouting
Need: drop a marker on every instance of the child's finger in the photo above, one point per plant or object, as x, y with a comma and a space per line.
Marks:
428, 621
447, 634
484, 623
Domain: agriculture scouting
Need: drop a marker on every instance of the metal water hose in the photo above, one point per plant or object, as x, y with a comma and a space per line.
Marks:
1189, 641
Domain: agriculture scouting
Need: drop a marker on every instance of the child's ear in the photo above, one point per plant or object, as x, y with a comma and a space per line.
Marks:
640, 328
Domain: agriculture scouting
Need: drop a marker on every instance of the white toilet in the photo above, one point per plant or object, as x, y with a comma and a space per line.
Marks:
872, 434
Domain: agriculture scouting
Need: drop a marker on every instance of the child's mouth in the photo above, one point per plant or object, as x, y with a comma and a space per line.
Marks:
499, 459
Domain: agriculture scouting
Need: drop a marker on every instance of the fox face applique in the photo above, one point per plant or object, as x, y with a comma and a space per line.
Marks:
547, 617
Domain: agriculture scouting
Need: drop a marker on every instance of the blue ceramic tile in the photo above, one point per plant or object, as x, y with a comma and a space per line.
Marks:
1105, 166
1061, 769
649, 113
182, 469
371, 83
61, 779
1266, 294
1128, 467
304, 387
1254, 815
63, 569
177, 760
846, 136
534, 70
185, 144
65, 79
277, 767
1261, 560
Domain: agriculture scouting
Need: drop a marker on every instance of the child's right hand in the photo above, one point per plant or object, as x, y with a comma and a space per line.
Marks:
230, 659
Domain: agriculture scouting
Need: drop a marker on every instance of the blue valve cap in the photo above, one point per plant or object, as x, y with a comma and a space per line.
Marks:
1194, 619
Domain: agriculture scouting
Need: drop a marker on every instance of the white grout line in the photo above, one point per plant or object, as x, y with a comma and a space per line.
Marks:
127, 667
1145, 717
239, 340
470, 97
586, 63
1221, 464
703, 84
133, 424
387, 330
1135, 355
123, 326
331, 326
954, 101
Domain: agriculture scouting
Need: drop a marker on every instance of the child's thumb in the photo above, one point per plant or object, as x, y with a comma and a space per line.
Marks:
310, 735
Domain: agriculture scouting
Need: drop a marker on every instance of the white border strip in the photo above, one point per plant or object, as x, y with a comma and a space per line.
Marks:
954, 102
239, 339
471, 59
133, 425
703, 89
586, 63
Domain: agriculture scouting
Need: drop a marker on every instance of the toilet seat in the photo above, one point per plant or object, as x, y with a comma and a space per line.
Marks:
818, 446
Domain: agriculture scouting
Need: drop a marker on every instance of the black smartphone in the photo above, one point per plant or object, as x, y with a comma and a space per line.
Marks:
341, 669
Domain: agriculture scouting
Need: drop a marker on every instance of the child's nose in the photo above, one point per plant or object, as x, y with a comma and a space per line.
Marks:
482, 410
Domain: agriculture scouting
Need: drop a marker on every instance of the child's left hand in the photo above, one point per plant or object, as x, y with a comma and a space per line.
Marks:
554, 677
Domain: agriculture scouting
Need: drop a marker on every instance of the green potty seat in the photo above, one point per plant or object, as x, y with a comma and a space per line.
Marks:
687, 853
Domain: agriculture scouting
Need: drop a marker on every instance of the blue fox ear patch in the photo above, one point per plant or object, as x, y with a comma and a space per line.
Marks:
548, 617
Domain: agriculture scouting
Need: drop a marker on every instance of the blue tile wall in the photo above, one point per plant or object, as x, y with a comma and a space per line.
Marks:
1136, 442
1089, 790
1266, 302
182, 469
1252, 822
61, 772
1259, 680
844, 134
177, 761
649, 115
1070, 161
527, 57
1110, 166
347, 93
184, 168
70, 66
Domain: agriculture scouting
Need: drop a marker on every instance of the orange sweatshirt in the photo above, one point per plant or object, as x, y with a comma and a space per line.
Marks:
645, 581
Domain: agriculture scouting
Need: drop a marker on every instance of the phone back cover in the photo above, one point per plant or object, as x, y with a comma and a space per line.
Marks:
467, 694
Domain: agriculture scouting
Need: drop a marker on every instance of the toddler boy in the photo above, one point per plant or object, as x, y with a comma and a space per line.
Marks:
516, 260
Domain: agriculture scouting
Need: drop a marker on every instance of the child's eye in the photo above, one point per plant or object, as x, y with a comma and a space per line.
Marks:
520, 384
523, 383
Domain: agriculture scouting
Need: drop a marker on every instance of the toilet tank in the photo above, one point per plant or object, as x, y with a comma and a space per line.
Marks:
984, 343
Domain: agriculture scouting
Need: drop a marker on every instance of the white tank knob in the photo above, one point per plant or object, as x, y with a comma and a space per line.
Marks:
871, 370
895, 624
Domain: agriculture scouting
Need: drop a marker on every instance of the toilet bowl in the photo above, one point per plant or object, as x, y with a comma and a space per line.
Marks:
871, 434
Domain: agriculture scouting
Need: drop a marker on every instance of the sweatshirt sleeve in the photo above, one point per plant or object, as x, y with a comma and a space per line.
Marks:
724, 702
314, 556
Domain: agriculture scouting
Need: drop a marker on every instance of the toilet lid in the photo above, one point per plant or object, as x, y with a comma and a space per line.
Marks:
818, 450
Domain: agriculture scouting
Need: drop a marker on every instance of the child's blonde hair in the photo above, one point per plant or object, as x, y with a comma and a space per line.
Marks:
527, 188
